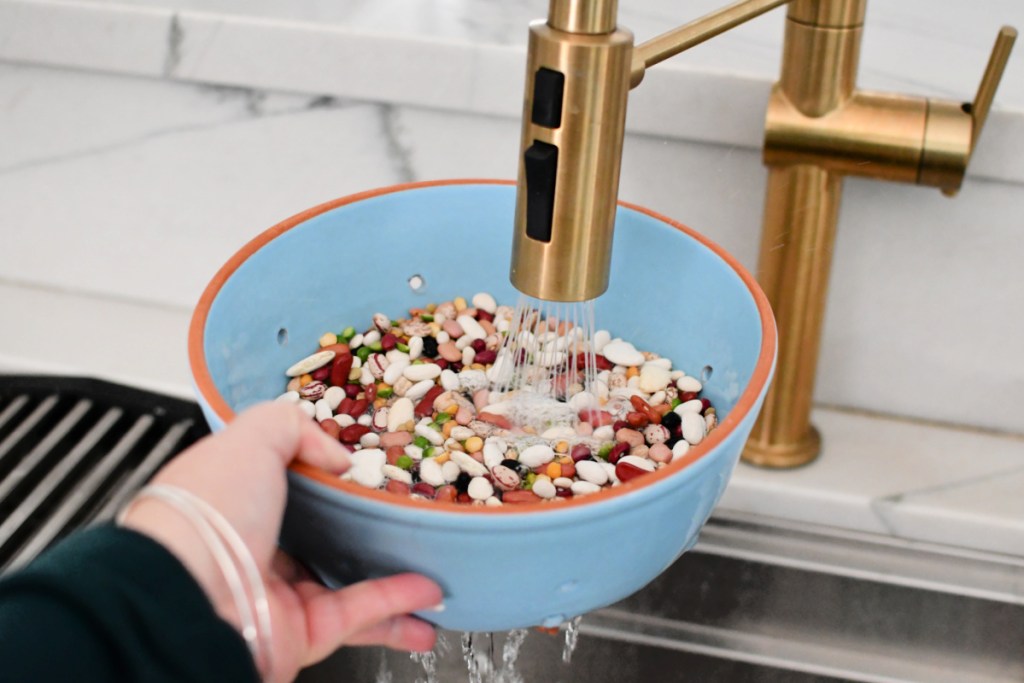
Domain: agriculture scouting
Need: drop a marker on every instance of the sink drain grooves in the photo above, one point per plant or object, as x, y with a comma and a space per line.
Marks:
848, 661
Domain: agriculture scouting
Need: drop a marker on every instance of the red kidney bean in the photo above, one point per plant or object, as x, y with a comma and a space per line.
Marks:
620, 424
425, 407
520, 496
331, 427
484, 315
704, 404
563, 493
618, 450
463, 498
398, 487
579, 452
446, 494
663, 409
341, 365
393, 453
358, 407
371, 392
603, 363
352, 390
637, 420
353, 433
388, 341
685, 396
642, 406
424, 489
344, 406
485, 356
496, 420
478, 346
626, 471
321, 374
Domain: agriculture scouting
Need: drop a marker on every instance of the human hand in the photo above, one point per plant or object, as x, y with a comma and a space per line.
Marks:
241, 473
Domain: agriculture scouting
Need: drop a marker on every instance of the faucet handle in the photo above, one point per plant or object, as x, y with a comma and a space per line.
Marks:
978, 109
952, 128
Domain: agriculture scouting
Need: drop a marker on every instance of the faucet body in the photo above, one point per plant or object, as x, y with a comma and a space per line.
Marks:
819, 128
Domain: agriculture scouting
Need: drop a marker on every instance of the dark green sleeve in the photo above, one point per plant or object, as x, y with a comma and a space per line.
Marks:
110, 604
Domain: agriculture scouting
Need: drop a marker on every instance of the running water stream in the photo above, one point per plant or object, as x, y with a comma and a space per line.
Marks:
480, 654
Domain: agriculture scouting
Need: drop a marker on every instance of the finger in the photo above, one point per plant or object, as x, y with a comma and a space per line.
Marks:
287, 433
398, 633
333, 617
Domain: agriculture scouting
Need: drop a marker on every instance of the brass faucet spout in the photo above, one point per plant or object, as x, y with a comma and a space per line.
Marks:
682, 38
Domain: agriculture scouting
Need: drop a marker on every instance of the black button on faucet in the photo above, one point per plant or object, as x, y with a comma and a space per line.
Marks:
541, 162
548, 86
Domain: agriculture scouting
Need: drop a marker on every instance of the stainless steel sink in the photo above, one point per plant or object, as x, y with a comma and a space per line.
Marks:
763, 600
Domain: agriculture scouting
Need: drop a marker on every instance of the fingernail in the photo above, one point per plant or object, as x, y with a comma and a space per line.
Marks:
439, 607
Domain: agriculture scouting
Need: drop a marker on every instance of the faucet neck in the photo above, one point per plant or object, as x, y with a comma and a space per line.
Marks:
821, 53
828, 13
583, 16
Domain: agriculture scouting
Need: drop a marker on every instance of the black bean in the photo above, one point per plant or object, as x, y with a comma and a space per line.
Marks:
462, 482
429, 347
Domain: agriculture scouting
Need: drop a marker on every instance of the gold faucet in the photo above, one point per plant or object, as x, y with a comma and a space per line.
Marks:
819, 128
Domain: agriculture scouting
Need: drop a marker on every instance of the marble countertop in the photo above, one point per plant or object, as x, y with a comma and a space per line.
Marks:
467, 55
909, 480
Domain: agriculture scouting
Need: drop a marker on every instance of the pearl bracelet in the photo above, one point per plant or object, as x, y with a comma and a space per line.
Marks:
215, 531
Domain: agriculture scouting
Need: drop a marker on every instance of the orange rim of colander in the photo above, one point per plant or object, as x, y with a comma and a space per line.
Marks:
216, 402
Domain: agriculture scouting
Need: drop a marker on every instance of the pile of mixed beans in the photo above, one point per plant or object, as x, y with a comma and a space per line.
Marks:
413, 400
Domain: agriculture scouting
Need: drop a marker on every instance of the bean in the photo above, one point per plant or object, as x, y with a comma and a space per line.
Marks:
353, 433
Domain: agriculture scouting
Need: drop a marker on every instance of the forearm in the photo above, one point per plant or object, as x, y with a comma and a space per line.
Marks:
112, 604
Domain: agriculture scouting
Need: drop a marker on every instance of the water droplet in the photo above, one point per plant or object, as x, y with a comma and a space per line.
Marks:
569, 586
705, 373
282, 336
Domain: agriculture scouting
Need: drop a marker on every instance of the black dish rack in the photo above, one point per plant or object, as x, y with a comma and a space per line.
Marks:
73, 450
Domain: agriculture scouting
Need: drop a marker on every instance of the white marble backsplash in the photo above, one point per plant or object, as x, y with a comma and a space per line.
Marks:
142, 142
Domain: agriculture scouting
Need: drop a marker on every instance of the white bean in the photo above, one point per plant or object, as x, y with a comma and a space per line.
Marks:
451, 471
537, 455
468, 464
544, 488
419, 390
310, 363
322, 410
687, 383
583, 488
429, 433
471, 327
592, 472
485, 302
308, 408
480, 488
430, 472
293, 396
421, 371
693, 427
334, 397
415, 347
395, 370
397, 473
